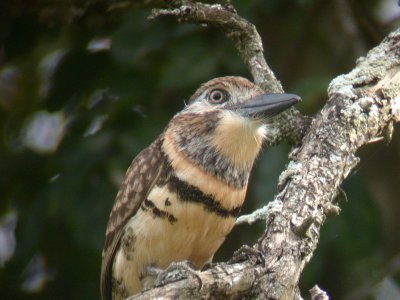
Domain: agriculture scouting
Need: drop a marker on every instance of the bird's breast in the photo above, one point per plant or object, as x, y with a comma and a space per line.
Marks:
186, 216
184, 228
170, 227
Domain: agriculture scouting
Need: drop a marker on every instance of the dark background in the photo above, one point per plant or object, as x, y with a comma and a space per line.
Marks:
73, 115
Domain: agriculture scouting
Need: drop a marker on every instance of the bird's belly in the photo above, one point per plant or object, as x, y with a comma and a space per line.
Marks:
166, 230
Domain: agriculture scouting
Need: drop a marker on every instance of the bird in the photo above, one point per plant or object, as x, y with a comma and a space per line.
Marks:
181, 195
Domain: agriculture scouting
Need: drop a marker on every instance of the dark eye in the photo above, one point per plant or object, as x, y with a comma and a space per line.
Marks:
218, 96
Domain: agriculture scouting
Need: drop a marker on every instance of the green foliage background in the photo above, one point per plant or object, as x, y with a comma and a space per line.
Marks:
62, 198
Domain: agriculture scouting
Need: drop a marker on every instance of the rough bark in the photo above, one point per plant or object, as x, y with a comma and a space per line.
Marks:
361, 109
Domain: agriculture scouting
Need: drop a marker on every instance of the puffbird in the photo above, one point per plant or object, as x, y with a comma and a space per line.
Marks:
181, 195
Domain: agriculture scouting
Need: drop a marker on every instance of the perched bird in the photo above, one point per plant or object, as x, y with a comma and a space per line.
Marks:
182, 194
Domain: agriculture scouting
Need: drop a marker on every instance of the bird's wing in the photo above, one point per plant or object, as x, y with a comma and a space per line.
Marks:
140, 178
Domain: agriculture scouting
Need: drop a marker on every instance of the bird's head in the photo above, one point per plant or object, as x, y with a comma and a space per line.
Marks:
239, 96
225, 122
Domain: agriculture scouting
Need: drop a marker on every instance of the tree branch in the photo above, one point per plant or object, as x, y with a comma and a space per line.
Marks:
291, 125
242, 33
361, 107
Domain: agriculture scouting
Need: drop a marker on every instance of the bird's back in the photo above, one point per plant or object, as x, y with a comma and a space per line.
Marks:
140, 177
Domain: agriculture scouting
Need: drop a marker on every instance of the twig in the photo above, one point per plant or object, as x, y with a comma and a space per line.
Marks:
318, 294
264, 213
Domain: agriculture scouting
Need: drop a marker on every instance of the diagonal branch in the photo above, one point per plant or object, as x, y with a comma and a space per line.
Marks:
361, 106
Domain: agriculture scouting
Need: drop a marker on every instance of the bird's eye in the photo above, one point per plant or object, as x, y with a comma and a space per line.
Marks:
218, 96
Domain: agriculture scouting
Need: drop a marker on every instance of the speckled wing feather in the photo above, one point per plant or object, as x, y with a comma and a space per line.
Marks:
139, 180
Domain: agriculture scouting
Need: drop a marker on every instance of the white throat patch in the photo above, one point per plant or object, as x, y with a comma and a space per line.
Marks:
238, 138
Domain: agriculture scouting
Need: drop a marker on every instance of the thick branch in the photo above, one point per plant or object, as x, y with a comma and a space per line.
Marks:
221, 282
361, 105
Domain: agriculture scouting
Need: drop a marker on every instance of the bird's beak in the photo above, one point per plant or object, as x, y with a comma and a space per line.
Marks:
267, 105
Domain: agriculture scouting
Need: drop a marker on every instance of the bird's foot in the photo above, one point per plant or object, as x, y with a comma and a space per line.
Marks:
178, 271
247, 253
